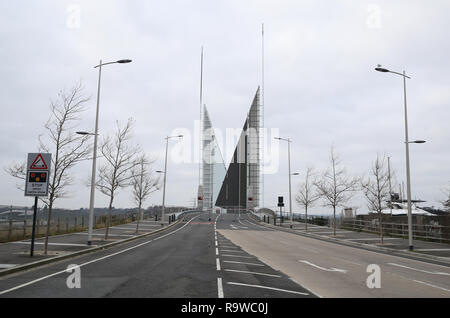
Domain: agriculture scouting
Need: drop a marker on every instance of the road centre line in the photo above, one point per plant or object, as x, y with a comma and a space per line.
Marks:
271, 288
98, 259
217, 264
219, 288
253, 273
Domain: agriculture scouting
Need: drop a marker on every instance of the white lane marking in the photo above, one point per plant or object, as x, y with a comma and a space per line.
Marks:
129, 228
432, 249
219, 288
253, 273
431, 285
228, 246
217, 251
230, 251
7, 265
331, 232
238, 256
271, 288
420, 270
216, 243
324, 269
244, 227
217, 264
55, 244
373, 239
233, 227
243, 263
110, 234
98, 259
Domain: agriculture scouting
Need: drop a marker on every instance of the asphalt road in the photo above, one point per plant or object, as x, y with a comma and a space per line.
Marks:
190, 260
231, 256
328, 269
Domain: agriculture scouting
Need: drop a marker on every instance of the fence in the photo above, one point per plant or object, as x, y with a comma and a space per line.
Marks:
431, 232
20, 229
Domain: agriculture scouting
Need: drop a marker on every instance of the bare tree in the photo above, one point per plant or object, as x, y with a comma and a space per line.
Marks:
66, 146
446, 201
376, 190
306, 196
335, 187
120, 155
144, 183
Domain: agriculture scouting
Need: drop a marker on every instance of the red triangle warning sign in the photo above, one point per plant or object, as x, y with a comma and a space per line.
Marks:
39, 163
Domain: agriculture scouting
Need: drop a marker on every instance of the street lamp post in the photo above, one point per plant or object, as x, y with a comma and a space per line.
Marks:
289, 168
94, 159
407, 142
165, 174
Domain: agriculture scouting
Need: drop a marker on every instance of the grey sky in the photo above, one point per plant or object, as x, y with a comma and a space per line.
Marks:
321, 88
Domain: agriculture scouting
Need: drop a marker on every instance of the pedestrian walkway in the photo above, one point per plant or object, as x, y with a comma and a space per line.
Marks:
397, 243
17, 253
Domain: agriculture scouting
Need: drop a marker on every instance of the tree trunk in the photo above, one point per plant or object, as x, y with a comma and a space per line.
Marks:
47, 232
138, 218
381, 226
108, 219
306, 218
334, 220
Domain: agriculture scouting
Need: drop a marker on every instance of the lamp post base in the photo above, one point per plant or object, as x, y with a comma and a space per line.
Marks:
411, 248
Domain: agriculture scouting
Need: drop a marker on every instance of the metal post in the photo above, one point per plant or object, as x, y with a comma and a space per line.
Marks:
289, 163
34, 226
390, 187
408, 175
164, 186
94, 161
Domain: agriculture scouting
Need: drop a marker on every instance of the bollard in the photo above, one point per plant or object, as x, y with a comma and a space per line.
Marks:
82, 222
275, 221
67, 225
58, 224
76, 223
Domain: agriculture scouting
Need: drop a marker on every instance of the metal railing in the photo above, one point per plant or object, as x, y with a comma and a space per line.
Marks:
431, 232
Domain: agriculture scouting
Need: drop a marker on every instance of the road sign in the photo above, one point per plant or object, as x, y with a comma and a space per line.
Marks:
38, 173
280, 202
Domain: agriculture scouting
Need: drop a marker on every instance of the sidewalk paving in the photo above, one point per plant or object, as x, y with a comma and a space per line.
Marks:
421, 247
17, 253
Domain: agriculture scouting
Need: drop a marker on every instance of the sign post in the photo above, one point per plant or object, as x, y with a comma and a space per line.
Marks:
36, 183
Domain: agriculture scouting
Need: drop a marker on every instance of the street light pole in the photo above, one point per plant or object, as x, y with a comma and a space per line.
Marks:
94, 159
289, 171
408, 174
165, 174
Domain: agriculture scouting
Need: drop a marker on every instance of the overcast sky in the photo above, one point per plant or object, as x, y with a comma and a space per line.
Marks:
320, 85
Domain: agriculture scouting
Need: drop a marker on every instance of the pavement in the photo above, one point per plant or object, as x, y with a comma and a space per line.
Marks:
424, 248
17, 253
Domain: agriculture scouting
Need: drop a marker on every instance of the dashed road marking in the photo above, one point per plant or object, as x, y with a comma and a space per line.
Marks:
266, 287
